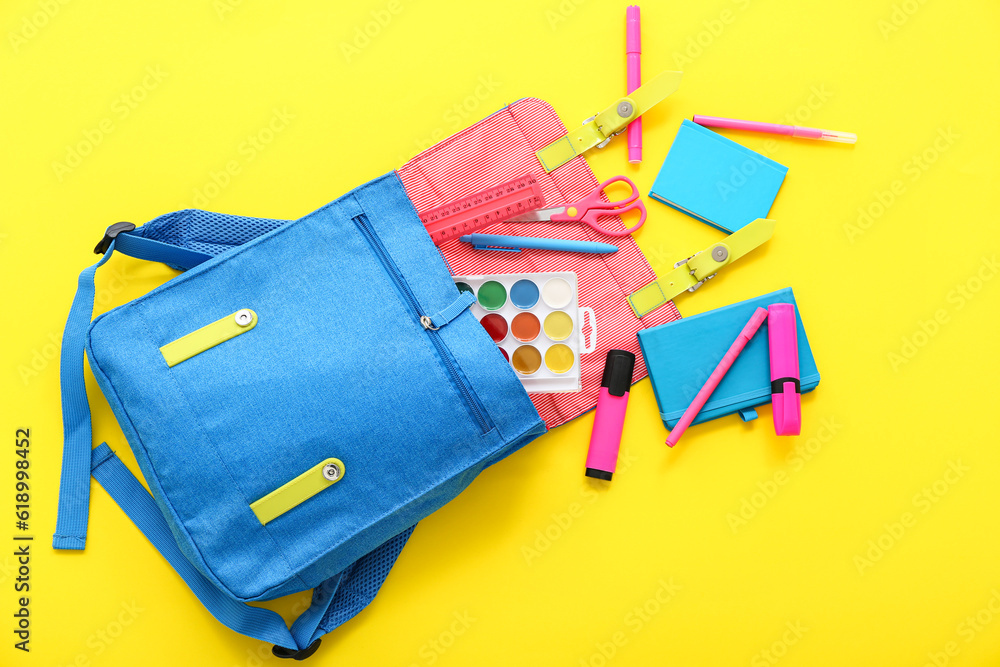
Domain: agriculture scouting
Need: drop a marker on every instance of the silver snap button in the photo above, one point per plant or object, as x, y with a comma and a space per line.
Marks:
720, 253
625, 109
244, 317
331, 471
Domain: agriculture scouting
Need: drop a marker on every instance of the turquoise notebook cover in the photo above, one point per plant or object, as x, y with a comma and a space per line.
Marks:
681, 355
716, 180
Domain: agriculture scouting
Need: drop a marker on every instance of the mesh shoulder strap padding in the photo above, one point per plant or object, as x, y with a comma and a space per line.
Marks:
364, 578
206, 232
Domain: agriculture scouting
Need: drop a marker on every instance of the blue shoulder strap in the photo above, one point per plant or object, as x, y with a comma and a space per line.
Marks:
334, 602
74, 485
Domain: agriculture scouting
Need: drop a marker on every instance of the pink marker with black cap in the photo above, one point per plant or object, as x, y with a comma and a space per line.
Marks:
784, 351
609, 418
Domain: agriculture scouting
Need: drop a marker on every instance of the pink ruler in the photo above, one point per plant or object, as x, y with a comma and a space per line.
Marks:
482, 209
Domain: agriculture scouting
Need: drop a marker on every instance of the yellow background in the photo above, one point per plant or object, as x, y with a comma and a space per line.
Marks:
915, 79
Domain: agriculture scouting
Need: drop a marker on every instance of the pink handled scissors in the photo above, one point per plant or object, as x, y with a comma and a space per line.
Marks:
591, 207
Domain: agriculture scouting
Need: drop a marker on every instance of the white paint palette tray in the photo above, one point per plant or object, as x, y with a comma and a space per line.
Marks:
537, 322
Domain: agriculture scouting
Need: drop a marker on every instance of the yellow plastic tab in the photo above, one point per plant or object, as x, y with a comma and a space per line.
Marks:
657, 89
736, 245
609, 122
700, 267
302, 488
209, 336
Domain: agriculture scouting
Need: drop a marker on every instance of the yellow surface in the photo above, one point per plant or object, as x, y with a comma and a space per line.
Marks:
238, 107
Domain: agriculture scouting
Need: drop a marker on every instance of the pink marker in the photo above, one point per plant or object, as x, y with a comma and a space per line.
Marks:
784, 350
715, 378
602, 457
633, 79
774, 128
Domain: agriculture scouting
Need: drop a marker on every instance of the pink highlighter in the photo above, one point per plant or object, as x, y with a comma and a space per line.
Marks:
784, 350
602, 457
633, 78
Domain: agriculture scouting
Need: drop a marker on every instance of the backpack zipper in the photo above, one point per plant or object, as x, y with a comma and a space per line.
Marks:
472, 402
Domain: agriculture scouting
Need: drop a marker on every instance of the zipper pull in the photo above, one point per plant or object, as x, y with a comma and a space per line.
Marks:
454, 309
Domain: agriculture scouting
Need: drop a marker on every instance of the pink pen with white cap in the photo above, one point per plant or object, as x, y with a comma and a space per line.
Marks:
784, 352
774, 128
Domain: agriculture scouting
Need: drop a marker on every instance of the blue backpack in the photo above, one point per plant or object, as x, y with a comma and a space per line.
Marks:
297, 400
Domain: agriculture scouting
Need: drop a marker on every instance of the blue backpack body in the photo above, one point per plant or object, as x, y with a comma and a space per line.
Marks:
361, 352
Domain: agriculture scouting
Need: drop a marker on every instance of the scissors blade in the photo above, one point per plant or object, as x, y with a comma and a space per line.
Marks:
538, 215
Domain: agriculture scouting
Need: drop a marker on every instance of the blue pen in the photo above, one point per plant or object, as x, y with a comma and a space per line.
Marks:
515, 243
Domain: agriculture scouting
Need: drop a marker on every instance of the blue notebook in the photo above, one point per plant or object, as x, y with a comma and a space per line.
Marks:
681, 355
716, 180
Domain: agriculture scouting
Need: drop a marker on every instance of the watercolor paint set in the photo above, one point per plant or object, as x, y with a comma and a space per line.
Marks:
537, 322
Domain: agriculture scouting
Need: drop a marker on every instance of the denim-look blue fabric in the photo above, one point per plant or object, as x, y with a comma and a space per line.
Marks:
338, 365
